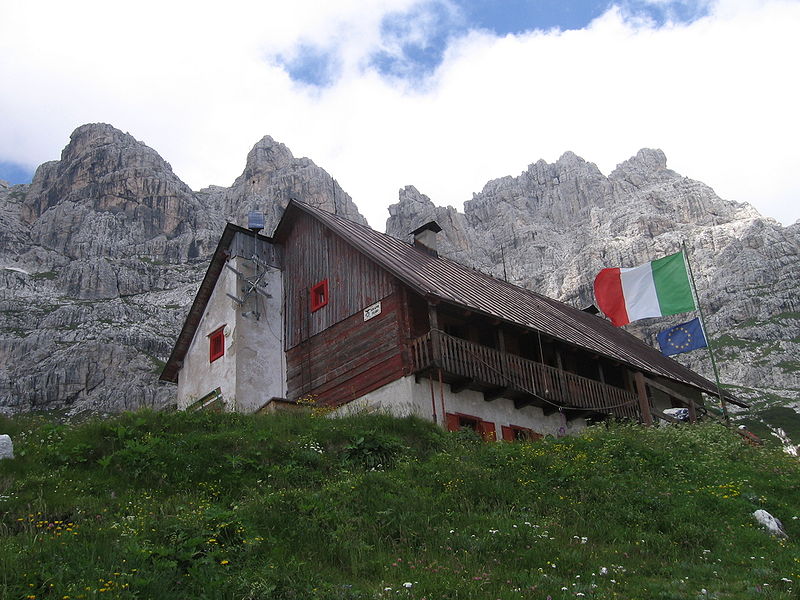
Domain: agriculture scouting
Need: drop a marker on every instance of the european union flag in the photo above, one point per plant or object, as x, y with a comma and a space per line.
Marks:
682, 338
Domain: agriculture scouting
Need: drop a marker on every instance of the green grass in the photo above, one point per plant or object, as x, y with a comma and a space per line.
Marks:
783, 417
44, 275
158, 364
203, 505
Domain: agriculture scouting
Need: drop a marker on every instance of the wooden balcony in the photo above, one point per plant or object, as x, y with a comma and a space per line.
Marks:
466, 365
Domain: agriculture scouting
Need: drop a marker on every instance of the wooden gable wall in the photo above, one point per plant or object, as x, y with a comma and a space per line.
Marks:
312, 254
333, 353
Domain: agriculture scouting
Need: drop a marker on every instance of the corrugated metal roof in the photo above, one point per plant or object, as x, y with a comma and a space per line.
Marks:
445, 280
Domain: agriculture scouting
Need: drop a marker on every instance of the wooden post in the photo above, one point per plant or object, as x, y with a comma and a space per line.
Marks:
441, 394
644, 403
692, 412
501, 344
433, 402
433, 321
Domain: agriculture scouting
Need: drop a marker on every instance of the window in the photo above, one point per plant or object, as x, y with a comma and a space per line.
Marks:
457, 421
216, 344
319, 295
514, 433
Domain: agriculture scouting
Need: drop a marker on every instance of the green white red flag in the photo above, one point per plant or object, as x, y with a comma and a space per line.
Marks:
660, 287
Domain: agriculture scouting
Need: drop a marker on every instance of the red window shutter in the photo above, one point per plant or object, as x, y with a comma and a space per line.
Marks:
453, 422
216, 344
319, 295
508, 433
487, 431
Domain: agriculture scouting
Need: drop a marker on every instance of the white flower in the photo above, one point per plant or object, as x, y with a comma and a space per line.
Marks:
407, 584
387, 589
603, 571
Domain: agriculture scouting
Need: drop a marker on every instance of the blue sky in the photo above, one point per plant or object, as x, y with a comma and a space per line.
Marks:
414, 58
445, 95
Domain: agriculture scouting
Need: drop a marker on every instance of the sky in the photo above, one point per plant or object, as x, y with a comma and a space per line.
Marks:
445, 95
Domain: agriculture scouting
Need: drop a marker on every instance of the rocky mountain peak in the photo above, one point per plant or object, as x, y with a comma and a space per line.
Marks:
646, 161
412, 205
266, 157
95, 135
272, 176
102, 254
552, 228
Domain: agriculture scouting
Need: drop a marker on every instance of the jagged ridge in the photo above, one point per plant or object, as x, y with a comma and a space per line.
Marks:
101, 256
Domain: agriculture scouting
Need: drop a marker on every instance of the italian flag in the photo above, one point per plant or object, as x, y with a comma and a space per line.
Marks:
655, 289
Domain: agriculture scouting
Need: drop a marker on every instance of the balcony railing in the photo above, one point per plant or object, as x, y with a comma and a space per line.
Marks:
474, 365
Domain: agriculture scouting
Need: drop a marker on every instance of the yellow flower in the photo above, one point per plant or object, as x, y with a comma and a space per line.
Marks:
223, 562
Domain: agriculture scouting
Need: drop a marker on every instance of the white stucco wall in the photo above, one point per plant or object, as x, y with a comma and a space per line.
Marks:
198, 377
405, 397
261, 361
253, 368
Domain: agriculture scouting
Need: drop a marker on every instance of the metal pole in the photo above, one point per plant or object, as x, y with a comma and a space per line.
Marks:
705, 333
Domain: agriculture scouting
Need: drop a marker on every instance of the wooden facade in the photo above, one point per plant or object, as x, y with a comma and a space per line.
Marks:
312, 253
333, 353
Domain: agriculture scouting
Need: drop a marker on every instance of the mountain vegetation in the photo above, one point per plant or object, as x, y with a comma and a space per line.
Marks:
297, 506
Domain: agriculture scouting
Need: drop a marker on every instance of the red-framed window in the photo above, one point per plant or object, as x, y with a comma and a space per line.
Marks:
319, 295
458, 421
514, 433
216, 344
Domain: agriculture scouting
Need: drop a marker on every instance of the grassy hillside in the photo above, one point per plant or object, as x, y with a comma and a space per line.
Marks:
201, 505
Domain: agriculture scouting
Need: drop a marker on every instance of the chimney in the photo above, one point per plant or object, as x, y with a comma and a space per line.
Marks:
425, 237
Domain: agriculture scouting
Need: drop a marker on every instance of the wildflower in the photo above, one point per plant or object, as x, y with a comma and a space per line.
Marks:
223, 562
408, 584
603, 571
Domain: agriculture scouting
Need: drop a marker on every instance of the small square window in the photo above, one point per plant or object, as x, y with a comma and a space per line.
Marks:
319, 295
216, 344
457, 421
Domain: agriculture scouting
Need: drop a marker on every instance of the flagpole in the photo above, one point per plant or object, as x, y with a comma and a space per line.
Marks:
705, 332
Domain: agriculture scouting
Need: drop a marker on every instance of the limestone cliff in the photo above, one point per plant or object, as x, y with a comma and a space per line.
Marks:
101, 255
555, 226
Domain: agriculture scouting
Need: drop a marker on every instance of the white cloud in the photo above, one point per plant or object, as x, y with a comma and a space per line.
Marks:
201, 84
